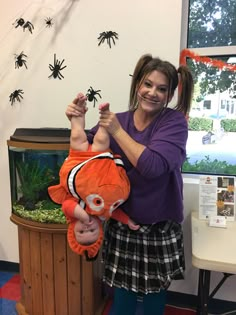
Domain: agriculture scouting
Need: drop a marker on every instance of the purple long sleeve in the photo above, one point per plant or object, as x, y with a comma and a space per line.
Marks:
156, 183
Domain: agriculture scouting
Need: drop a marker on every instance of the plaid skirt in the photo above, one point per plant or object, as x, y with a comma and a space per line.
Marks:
143, 261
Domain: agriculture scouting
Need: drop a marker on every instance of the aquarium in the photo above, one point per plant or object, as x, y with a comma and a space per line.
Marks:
35, 158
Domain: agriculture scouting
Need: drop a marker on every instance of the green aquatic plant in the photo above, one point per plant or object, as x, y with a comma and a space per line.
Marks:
45, 212
34, 180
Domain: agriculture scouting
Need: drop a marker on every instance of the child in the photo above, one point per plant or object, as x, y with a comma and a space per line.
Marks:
96, 178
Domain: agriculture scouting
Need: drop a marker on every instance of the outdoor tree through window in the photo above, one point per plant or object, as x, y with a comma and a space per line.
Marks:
211, 23
210, 52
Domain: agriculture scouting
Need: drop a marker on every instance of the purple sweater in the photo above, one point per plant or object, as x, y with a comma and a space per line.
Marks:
156, 182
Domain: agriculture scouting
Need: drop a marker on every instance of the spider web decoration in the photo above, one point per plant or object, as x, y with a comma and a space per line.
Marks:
109, 37
20, 60
16, 96
56, 68
92, 95
24, 24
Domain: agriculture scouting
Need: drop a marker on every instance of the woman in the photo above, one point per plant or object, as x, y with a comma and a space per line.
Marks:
151, 138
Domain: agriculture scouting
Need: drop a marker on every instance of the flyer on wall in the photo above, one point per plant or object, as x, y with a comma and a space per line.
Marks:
217, 197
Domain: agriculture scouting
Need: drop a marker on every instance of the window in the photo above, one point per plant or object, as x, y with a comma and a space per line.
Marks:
211, 23
209, 42
206, 104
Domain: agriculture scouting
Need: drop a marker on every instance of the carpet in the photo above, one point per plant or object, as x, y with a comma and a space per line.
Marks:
177, 303
9, 292
170, 310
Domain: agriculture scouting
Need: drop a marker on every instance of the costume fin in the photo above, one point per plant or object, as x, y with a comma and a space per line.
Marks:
57, 193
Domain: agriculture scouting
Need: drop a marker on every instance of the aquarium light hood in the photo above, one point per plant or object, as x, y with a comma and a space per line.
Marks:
42, 135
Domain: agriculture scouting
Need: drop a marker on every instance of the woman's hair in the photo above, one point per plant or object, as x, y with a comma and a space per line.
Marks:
181, 77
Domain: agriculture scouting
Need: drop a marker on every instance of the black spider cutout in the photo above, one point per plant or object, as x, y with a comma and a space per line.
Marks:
108, 36
19, 22
91, 95
20, 61
25, 25
56, 68
16, 96
48, 21
29, 26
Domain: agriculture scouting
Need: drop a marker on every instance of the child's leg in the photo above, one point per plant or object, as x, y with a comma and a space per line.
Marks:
154, 303
101, 141
125, 302
78, 138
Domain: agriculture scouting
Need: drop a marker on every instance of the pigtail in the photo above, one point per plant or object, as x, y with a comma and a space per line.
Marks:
181, 78
186, 87
136, 79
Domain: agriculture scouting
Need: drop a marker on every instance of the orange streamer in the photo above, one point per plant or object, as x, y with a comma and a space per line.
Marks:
214, 62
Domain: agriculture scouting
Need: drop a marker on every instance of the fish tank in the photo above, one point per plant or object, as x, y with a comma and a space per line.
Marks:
35, 158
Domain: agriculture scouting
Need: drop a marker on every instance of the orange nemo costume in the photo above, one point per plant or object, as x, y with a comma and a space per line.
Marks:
98, 182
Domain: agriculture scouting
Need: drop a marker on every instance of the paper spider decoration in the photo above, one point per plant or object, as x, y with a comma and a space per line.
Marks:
91, 95
48, 21
20, 61
19, 22
25, 25
16, 96
56, 68
108, 36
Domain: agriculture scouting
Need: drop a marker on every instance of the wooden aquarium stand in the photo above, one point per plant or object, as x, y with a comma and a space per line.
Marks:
54, 280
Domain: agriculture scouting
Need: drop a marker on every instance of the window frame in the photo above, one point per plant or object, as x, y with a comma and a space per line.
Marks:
204, 51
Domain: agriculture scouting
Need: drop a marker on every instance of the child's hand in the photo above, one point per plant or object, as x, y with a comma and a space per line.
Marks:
81, 214
132, 225
84, 217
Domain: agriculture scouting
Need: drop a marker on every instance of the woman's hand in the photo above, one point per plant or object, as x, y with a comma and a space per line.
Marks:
77, 107
109, 121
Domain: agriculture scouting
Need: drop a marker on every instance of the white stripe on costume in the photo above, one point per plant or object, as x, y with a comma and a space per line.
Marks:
71, 177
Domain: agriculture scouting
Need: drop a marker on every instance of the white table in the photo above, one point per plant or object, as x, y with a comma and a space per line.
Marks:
213, 249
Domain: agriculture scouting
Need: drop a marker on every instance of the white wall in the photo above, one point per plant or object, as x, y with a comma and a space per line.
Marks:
143, 27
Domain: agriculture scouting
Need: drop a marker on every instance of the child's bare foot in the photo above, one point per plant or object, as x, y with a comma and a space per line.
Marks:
104, 106
80, 99
80, 102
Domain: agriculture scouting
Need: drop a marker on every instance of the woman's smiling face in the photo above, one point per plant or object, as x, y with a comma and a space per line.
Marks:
153, 92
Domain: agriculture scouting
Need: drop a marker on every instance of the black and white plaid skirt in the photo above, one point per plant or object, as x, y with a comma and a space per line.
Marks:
143, 261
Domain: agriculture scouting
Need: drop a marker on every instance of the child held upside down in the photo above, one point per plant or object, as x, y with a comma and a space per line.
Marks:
96, 178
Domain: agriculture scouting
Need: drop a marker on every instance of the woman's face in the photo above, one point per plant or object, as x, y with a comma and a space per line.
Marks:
153, 92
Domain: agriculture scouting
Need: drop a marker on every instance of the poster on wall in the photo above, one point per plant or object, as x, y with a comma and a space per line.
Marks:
217, 197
